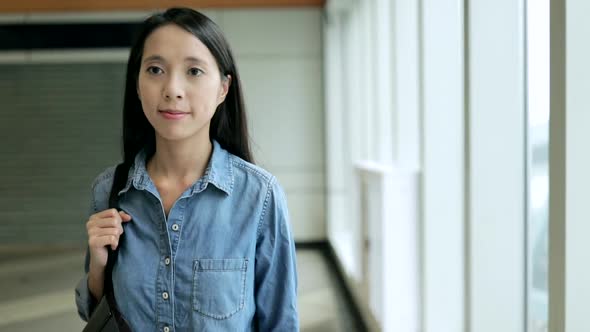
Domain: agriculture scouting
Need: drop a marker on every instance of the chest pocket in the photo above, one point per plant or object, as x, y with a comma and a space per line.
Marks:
219, 286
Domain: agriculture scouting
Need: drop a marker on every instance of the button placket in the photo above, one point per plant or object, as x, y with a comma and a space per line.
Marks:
165, 311
173, 224
175, 219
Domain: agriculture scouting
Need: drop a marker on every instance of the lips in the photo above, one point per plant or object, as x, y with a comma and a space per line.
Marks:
172, 114
172, 111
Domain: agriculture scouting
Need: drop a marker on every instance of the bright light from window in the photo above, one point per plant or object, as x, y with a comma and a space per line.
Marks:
538, 181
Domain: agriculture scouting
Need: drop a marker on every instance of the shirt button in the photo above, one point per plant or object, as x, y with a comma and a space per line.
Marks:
165, 295
166, 329
175, 227
167, 261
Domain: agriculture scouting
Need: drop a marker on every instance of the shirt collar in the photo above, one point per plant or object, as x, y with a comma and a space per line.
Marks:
219, 172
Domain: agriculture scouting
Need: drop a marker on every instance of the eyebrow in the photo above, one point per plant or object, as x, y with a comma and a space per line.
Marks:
160, 58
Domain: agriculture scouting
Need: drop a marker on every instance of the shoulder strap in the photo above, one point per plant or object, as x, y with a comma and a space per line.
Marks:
113, 204
108, 290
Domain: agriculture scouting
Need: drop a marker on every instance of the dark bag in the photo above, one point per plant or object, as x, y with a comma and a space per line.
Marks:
106, 316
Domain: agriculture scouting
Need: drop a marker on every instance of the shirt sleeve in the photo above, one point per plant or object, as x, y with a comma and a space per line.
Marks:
84, 300
275, 266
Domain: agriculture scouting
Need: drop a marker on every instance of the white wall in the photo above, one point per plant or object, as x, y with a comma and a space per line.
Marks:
279, 54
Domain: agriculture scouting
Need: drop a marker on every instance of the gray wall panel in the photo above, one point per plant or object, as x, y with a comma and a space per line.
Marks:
59, 127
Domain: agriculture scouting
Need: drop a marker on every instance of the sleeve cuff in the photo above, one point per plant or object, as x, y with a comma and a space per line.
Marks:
84, 300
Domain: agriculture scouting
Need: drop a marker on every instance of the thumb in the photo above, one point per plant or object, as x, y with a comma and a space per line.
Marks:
125, 216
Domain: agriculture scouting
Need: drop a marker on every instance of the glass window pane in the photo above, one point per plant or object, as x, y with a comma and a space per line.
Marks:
538, 170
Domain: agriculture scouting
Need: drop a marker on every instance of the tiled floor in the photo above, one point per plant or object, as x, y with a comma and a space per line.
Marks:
322, 306
37, 293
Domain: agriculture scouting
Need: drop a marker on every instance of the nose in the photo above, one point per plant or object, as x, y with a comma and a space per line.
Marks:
173, 89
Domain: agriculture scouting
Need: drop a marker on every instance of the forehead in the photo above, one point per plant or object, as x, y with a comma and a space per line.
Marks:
173, 43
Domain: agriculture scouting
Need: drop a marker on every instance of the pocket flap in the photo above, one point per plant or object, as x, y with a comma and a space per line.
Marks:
224, 264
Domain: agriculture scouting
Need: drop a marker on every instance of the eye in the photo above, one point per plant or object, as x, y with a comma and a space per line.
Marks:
154, 70
195, 72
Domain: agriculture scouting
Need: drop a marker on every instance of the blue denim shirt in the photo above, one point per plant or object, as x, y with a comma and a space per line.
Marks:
224, 260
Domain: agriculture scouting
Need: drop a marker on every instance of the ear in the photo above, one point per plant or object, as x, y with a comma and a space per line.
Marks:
225, 84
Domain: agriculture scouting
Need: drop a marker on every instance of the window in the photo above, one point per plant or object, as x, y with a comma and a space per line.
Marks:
538, 170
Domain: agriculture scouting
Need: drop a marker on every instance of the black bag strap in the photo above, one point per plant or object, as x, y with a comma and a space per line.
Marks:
108, 273
112, 256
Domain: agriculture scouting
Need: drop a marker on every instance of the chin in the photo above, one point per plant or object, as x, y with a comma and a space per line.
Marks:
176, 138
174, 134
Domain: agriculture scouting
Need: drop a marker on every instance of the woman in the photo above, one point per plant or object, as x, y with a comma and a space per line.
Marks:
207, 243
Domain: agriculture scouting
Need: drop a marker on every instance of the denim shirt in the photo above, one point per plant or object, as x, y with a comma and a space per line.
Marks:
223, 260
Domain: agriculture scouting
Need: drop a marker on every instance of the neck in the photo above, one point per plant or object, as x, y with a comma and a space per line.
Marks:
184, 161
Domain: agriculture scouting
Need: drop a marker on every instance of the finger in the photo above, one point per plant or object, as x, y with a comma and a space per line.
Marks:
108, 222
96, 219
97, 231
106, 213
102, 241
125, 217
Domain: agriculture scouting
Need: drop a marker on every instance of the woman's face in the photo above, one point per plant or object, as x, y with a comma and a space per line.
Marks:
179, 84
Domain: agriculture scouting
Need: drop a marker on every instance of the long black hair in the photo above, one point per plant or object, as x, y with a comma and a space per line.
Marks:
228, 125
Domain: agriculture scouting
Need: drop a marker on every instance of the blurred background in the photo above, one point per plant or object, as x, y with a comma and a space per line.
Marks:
411, 137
